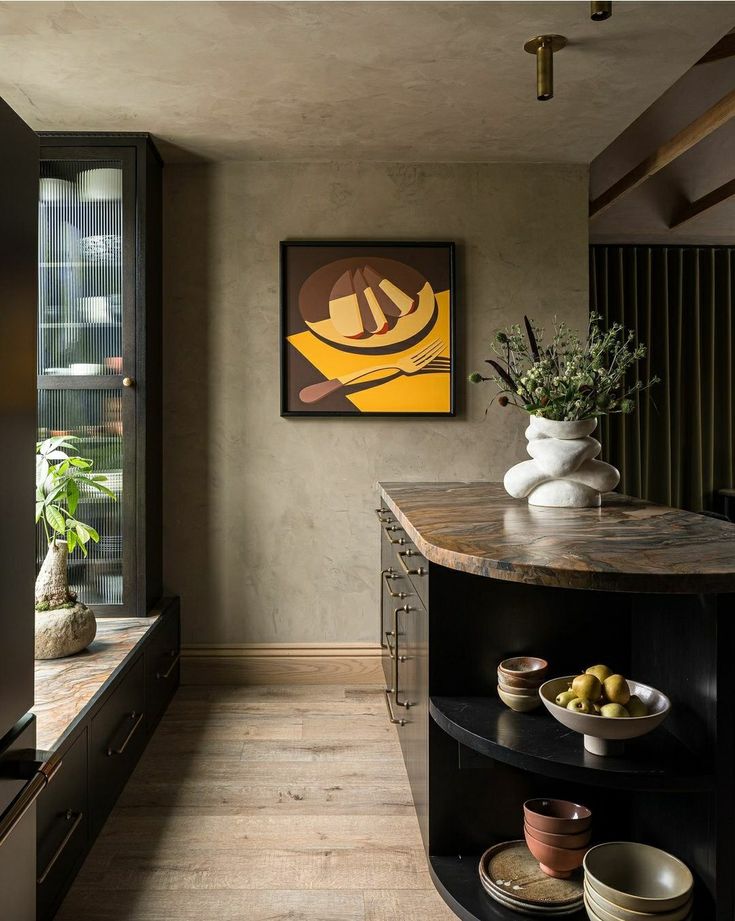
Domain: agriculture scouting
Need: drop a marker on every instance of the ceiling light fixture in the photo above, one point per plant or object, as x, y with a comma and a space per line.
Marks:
600, 11
544, 47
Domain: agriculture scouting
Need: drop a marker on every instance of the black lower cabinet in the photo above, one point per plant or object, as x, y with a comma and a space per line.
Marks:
99, 756
472, 762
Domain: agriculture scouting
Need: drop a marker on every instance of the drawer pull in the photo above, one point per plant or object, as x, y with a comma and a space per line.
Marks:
75, 818
391, 716
136, 719
388, 574
397, 657
174, 662
392, 528
382, 513
420, 571
43, 773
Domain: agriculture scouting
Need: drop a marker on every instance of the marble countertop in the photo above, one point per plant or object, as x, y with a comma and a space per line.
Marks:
66, 688
627, 545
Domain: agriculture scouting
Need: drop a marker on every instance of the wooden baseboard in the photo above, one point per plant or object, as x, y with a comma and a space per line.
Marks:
282, 663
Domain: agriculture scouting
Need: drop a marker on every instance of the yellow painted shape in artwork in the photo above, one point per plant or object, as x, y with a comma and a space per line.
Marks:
416, 393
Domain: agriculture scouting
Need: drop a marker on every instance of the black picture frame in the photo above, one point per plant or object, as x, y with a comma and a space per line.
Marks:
288, 354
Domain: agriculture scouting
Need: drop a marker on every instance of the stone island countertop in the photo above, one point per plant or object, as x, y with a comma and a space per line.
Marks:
626, 545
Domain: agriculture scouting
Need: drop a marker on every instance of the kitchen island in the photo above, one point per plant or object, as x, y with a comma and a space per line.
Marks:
470, 576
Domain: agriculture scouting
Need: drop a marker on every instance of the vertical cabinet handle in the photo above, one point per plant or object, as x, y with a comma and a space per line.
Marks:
389, 574
397, 657
398, 721
75, 818
402, 554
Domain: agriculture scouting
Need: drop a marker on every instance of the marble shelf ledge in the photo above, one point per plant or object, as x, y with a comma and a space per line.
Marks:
67, 688
627, 545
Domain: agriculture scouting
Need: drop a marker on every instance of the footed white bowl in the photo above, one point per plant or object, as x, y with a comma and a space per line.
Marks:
605, 735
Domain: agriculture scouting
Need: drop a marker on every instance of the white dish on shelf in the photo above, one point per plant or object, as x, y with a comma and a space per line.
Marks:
94, 309
86, 367
56, 371
102, 184
604, 735
50, 189
100, 247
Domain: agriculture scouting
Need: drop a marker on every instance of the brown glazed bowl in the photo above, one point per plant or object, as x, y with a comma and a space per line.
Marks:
567, 841
557, 816
523, 684
518, 692
526, 667
559, 862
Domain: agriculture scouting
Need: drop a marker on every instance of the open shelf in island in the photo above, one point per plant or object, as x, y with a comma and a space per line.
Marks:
537, 742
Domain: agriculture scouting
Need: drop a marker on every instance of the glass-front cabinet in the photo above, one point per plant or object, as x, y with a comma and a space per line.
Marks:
99, 374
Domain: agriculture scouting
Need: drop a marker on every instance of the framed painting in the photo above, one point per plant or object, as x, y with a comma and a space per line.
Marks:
367, 329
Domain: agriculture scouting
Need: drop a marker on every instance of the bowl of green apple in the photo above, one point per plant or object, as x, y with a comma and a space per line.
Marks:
605, 707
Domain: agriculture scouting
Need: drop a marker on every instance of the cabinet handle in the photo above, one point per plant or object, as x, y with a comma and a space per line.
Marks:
128, 382
381, 513
388, 574
409, 572
174, 662
394, 540
137, 718
42, 776
391, 716
397, 657
77, 817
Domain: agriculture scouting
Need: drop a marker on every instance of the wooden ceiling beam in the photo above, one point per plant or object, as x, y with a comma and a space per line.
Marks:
695, 208
725, 48
716, 116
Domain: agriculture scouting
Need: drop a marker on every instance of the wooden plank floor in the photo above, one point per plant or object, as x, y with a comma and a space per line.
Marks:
263, 804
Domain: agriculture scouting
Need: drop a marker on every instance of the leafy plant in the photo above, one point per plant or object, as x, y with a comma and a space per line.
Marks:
62, 478
570, 379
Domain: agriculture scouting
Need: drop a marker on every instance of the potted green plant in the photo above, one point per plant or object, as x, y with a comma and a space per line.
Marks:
64, 625
564, 387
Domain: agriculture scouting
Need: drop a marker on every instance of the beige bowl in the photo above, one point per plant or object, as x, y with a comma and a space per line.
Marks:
516, 681
638, 877
527, 667
518, 703
603, 735
606, 911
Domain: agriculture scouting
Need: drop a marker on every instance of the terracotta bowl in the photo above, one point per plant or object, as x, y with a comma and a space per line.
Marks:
638, 877
519, 692
518, 703
524, 667
516, 681
567, 841
606, 911
602, 735
557, 816
559, 862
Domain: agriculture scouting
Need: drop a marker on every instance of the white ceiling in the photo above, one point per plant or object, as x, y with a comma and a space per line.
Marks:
421, 81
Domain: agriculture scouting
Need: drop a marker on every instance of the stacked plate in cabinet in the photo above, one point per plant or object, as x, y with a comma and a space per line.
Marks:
511, 876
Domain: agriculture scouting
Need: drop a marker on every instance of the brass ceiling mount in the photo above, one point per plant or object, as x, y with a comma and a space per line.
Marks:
544, 47
600, 10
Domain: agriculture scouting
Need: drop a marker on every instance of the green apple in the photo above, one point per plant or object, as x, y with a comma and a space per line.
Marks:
601, 672
616, 690
614, 711
587, 687
579, 705
564, 698
636, 707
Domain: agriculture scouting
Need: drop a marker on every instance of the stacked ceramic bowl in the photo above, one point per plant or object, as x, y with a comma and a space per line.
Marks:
557, 834
625, 881
519, 680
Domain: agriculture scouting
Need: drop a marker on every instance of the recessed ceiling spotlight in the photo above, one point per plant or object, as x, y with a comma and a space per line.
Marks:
544, 47
600, 11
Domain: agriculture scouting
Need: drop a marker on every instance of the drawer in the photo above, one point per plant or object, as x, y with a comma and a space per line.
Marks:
117, 739
161, 668
62, 820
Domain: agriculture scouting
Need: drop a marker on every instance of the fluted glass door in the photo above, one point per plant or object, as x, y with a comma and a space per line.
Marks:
86, 351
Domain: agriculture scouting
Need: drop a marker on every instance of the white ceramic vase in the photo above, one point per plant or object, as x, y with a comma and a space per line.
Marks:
563, 472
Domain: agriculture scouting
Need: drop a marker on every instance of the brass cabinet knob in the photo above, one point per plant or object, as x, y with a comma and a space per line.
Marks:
128, 382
